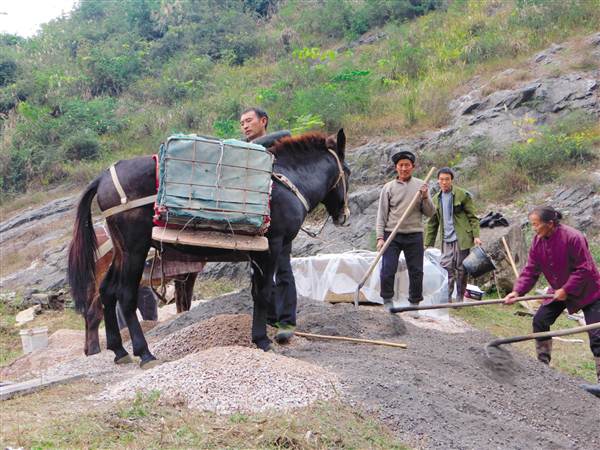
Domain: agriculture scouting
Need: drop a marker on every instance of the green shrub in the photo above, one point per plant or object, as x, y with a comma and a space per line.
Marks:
226, 128
307, 122
8, 71
542, 158
97, 114
82, 145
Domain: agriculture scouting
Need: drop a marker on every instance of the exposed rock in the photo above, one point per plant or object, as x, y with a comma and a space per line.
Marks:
47, 273
492, 239
580, 204
366, 39
38, 216
594, 40
546, 55
28, 315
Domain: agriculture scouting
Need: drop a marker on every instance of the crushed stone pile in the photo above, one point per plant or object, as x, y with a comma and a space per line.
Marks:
343, 319
226, 380
92, 366
222, 330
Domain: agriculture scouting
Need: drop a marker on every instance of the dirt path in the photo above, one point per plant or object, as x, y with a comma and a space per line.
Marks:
441, 392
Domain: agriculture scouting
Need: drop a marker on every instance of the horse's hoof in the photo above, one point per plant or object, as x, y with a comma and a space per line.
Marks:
127, 359
92, 350
149, 363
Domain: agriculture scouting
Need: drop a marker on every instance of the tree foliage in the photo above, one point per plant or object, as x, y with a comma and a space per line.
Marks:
119, 76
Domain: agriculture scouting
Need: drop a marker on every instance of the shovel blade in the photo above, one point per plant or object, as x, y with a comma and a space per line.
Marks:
593, 389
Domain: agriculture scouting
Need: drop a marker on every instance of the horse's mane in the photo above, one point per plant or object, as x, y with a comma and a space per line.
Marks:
299, 144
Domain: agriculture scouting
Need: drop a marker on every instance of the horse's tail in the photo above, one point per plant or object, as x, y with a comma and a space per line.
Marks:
82, 250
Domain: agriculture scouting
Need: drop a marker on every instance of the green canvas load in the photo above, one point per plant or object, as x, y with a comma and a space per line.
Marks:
212, 184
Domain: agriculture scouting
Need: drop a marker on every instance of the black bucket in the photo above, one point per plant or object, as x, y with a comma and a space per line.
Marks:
478, 262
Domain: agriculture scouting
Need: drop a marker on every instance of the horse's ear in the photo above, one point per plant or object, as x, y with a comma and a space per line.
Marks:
341, 143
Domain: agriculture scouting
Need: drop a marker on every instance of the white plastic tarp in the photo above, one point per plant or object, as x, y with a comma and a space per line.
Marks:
335, 277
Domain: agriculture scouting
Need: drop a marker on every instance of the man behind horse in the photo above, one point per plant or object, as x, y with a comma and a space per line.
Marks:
282, 312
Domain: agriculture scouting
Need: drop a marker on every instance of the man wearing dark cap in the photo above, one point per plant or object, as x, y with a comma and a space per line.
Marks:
395, 198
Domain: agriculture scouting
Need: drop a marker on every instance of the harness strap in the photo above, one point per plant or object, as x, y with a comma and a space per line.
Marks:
125, 204
288, 184
129, 205
104, 249
117, 183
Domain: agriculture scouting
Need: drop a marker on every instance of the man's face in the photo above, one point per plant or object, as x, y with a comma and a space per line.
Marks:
445, 182
404, 169
252, 126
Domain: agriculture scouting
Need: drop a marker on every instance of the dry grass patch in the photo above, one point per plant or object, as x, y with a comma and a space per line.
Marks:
506, 80
62, 417
12, 205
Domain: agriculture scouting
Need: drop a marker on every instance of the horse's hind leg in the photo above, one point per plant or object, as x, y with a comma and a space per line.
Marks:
93, 317
184, 292
108, 296
129, 279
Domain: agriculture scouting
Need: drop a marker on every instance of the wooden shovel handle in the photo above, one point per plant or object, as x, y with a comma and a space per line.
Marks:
349, 339
466, 304
527, 337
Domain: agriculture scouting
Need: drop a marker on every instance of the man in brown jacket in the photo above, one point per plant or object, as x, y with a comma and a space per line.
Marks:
395, 197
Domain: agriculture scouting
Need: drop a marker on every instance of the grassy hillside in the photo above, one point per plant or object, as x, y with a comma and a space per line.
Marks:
113, 79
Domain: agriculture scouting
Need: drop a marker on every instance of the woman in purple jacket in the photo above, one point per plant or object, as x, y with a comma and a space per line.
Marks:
562, 254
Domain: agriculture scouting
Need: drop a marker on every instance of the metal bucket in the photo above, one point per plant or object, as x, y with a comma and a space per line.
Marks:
478, 262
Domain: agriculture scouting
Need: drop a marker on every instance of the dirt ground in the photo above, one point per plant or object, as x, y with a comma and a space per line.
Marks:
440, 392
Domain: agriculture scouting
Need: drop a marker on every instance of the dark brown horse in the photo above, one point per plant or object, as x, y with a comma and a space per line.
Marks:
94, 311
313, 162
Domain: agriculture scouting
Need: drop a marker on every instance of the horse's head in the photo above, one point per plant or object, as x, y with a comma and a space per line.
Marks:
336, 200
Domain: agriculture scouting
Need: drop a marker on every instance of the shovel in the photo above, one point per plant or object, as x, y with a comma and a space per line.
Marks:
593, 389
544, 334
465, 304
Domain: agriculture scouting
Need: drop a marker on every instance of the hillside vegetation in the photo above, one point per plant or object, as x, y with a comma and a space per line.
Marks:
113, 79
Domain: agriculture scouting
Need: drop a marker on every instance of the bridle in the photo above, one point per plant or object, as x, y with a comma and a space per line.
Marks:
341, 177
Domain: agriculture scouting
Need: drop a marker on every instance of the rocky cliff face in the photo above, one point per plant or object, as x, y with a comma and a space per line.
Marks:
561, 79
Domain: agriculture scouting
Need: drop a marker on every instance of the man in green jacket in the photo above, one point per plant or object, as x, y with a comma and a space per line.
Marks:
459, 230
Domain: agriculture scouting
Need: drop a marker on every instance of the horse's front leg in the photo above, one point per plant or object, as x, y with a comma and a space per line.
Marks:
263, 270
130, 276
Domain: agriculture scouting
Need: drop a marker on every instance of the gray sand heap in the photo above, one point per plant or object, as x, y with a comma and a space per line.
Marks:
225, 380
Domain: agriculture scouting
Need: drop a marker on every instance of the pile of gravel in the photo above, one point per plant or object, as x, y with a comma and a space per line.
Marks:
225, 380
222, 330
